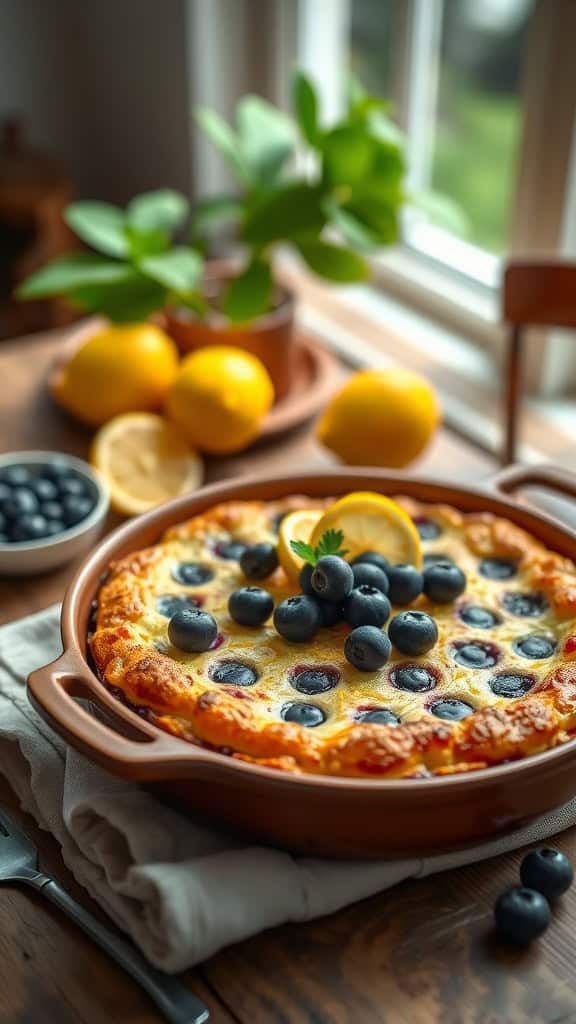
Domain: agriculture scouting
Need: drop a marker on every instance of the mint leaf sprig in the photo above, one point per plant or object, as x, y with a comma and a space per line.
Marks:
330, 543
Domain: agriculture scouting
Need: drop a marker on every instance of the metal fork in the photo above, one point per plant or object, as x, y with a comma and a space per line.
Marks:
19, 863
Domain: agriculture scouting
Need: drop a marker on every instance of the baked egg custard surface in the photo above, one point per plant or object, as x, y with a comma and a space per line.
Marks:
500, 683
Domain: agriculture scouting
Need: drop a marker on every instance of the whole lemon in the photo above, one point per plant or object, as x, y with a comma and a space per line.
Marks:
219, 399
123, 368
380, 418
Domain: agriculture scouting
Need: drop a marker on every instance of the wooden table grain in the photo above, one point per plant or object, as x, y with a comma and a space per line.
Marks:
422, 953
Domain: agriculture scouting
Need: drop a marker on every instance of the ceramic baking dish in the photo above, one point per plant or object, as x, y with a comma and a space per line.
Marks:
349, 817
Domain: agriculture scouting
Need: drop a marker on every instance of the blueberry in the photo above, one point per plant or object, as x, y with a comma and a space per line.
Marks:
436, 556
191, 574
305, 579
475, 654
52, 510
525, 605
377, 716
259, 561
58, 470
234, 673
303, 714
168, 604
5, 493
508, 684
22, 502
372, 558
371, 575
405, 583
498, 568
330, 614
332, 578
413, 632
314, 680
72, 486
76, 508
443, 582
192, 630
54, 526
534, 646
32, 527
4, 538
16, 476
250, 606
366, 606
413, 678
478, 617
3, 522
44, 489
427, 528
298, 618
367, 648
232, 550
451, 710
548, 871
521, 915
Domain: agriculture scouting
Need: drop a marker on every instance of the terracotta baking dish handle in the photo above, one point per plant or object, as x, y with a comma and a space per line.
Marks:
122, 743
512, 479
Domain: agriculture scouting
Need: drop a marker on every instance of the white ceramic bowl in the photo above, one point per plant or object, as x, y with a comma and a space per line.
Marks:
24, 558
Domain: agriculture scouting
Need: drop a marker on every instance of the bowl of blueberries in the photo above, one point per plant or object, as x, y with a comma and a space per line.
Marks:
52, 509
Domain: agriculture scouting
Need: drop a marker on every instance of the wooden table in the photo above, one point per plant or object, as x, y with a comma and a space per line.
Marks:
422, 953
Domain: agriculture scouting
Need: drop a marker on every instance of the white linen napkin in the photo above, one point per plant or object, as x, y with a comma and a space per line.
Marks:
180, 889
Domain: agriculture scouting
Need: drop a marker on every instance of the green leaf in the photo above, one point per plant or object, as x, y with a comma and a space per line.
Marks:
127, 302
304, 551
72, 271
378, 214
289, 212
356, 234
145, 243
100, 225
248, 295
164, 210
385, 130
179, 269
330, 543
334, 262
348, 155
266, 138
355, 92
214, 209
225, 140
305, 103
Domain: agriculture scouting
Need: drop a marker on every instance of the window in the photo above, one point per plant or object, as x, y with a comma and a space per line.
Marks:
479, 90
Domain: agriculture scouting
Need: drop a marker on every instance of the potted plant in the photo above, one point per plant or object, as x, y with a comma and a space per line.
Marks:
332, 194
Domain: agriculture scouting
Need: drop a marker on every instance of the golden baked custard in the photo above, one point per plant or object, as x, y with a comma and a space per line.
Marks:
499, 684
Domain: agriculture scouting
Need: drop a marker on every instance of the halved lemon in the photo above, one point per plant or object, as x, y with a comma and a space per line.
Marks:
371, 522
295, 526
144, 461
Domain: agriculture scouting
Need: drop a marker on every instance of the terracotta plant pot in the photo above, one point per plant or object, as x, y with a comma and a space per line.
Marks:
270, 337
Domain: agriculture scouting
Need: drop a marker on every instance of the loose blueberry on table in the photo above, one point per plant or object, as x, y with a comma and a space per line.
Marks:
413, 632
366, 606
192, 630
405, 583
250, 606
521, 915
548, 871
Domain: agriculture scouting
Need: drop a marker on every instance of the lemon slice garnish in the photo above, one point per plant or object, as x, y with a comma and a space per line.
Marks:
144, 461
295, 526
372, 522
